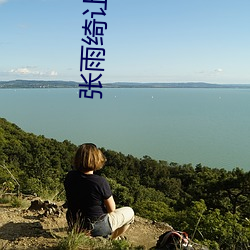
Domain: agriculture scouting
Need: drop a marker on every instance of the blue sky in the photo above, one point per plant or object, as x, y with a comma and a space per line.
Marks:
146, 41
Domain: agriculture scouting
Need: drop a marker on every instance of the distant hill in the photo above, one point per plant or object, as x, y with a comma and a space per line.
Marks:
71, 84
16, 84
173, 85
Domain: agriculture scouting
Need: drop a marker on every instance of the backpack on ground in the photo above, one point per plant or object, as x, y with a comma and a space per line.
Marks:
173, 240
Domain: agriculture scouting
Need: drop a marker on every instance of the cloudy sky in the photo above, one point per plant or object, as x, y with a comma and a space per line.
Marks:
145, 40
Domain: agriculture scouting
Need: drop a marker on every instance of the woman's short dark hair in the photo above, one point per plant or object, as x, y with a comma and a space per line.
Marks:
88, 157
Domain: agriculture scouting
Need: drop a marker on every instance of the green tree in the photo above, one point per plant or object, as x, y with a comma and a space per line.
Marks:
154, 210
236, 188
121, 194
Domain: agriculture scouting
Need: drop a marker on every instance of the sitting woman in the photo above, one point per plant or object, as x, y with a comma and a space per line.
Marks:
91, 205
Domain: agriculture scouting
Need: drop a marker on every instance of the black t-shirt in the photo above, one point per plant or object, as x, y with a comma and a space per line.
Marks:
86, 193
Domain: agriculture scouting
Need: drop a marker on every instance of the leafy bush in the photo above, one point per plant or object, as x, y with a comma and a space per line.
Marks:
5, 200
153, 210
19, 202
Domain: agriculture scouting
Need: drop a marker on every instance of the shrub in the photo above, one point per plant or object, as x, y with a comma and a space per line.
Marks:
18, 202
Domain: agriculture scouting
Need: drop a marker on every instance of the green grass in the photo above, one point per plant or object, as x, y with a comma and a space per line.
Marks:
82, 241
5, 200
75, 241
19, 202
14, 201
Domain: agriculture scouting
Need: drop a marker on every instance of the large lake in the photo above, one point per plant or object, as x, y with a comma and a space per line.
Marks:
207, 126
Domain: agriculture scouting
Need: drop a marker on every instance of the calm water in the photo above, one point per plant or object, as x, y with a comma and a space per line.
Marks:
207, 126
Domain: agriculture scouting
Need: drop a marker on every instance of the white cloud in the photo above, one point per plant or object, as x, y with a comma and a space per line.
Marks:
211, 72
53, 73
2, 1
218, 70
22, 71
31, 71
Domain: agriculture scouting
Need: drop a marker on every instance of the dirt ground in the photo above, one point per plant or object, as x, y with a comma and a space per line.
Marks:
26, 229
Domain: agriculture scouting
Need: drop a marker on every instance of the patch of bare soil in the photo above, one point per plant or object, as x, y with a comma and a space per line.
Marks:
26, 229
145, 232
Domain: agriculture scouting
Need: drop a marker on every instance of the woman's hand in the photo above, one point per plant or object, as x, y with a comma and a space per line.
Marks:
110, 204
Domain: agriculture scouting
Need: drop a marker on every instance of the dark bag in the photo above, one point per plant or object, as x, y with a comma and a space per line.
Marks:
172, 240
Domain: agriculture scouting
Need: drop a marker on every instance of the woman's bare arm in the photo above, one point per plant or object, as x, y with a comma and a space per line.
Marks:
110, 204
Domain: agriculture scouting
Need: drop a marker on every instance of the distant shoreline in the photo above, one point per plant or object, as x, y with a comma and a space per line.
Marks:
19, 84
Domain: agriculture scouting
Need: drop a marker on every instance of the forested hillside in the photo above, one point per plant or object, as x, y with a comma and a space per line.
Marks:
212, 205
38, 163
